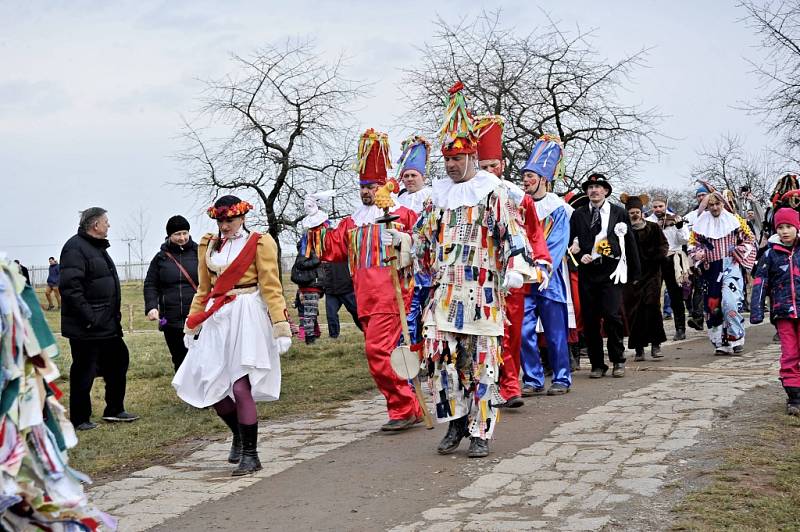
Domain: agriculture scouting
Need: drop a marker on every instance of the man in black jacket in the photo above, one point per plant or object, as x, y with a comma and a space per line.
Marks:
170, 285
338, 287
91, 320
597, 228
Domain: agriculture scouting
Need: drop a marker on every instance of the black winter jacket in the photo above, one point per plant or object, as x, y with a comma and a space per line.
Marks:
165, 287
336, 278
90, 293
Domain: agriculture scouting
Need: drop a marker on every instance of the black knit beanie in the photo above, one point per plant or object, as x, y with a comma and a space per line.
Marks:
177, 223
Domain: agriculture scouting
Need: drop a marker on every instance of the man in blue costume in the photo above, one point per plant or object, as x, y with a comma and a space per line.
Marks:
548, 306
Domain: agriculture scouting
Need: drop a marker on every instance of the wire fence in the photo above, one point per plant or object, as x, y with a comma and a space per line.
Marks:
127, 271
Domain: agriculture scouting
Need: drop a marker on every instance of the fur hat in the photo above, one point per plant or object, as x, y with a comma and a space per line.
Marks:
634, 202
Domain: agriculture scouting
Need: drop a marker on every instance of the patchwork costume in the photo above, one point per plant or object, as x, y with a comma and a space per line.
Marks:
546, 307
358, 239
469, 238
719, 246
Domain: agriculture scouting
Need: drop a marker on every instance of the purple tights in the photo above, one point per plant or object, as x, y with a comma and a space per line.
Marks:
242, 403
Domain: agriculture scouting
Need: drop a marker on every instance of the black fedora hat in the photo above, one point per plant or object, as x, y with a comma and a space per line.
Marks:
597, 179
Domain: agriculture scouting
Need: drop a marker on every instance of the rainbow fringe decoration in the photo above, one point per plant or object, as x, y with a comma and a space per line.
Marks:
368, 138
480, 123
457, 122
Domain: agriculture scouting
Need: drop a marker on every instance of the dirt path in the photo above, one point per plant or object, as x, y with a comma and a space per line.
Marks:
573, 462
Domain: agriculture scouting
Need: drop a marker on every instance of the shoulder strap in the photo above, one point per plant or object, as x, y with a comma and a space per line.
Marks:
182, 270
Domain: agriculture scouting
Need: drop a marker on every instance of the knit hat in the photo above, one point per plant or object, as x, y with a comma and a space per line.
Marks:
546, 158
373, 157
489, 130
177, 223
702, 189
787, 216
457, 134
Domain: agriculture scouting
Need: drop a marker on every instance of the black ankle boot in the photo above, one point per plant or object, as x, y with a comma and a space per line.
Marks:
792, 400
249, 462
456, 430
236, 447
478, 447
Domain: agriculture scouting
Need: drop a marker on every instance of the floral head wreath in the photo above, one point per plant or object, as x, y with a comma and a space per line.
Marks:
229, 211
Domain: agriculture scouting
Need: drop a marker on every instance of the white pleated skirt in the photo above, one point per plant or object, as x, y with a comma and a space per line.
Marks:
235, 341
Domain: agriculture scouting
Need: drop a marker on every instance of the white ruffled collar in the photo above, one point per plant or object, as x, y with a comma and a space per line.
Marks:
367, 214
549, 204
450, 195
415, 200
715, 227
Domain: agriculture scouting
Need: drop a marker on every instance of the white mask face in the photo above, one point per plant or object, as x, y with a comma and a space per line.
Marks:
310, 206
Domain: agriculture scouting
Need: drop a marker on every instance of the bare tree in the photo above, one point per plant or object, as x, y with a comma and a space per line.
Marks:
279, 128
550, 81
679, 200
777, 23
726, 165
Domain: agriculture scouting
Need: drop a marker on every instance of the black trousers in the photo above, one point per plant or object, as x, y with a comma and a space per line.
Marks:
107, 358
601, 300
333, 302
174, 339
696, 309
675, 292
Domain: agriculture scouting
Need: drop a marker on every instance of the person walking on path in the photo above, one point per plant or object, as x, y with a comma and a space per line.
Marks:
91, 320
366, 242
546, 306
694, 303
413, 169
470, 239
53, 276
719, 244
777, 275
170, 285
489, 130
675, 266
641, 301
608, 260
236, 330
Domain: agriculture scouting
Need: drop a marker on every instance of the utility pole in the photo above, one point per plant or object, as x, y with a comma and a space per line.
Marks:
128, 266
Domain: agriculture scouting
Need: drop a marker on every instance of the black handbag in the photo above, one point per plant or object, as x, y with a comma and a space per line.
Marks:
304, 270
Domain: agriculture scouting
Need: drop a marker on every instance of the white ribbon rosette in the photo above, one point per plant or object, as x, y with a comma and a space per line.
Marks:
620, 275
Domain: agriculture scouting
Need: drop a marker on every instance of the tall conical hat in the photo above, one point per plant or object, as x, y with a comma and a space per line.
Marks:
373, 157
457, 134
489, 129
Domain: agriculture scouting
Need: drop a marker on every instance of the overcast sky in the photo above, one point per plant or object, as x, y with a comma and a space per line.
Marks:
92, 93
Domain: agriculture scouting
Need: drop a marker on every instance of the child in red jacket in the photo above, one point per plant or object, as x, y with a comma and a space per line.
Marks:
778, 275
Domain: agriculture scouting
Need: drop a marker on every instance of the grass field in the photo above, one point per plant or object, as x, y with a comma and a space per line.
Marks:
756, 487
315, 378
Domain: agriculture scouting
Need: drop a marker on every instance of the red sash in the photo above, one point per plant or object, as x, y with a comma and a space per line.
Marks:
226, 282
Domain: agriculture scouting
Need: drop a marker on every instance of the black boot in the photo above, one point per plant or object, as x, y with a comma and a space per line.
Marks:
792, 400
478, 448
249, 462
236, 447
456, 430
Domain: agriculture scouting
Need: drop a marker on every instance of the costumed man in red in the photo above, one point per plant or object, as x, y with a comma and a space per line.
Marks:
489, 130
363, 241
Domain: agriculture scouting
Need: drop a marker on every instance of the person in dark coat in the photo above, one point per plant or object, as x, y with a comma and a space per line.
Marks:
170, 285
602, 273
53, 275
338, 287
91, 320
642, 299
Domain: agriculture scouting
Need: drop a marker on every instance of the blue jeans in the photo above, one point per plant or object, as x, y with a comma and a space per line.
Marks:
555, 324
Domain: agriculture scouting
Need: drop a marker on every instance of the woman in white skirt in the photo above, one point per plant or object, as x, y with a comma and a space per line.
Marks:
234, 361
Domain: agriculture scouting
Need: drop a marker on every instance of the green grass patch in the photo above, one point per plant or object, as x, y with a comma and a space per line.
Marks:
756, 486
315, 378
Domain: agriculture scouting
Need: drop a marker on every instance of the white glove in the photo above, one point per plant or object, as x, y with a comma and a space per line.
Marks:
188, 340
284, 343
545, 278
390, 237
575, 248
512, 280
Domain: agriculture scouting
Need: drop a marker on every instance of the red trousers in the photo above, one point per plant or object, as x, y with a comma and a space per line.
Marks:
382, 333
789, 332
512, 341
